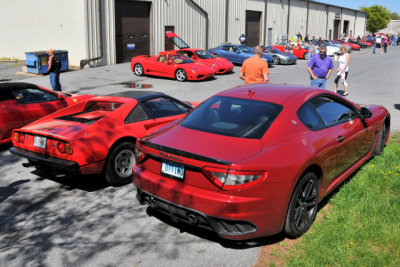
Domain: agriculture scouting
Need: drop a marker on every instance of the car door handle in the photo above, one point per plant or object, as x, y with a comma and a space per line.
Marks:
340, 139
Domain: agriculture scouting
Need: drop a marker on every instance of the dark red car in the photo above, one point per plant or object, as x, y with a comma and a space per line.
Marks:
23, 103
256, 160
97, 136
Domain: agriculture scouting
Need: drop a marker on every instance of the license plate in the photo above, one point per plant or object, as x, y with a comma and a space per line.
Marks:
39, 141
173, 169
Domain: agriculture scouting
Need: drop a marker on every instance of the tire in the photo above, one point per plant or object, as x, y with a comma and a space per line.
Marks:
119, 164
277, 60
380, 145
138, 69
303, 206
306, 56
180, 75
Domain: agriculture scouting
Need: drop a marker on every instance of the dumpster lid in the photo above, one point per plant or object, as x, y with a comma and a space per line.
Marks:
43, 52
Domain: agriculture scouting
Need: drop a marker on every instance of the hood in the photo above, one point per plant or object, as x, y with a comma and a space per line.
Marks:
210, 145
176, 40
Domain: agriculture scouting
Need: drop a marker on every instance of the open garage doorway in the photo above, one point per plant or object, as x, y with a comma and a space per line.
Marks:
253, 27
132, 29
336, 28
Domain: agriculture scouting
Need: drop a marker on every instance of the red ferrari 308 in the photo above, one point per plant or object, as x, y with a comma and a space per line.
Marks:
256, 160
23, 103
96, 136
170, 65
299, 52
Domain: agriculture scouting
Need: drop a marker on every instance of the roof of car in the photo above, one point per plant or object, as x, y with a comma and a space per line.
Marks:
275, 93
7, 87
138, 95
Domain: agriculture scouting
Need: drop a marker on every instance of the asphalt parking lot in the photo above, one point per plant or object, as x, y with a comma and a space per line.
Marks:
47, 221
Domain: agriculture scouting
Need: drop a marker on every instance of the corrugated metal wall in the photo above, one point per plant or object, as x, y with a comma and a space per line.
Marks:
237, 17
317, 19
277, 16
331, 18
297, 17
360, 24
27, 25
348, 15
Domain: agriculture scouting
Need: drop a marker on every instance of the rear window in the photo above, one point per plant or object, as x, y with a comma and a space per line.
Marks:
234, 117
101, 105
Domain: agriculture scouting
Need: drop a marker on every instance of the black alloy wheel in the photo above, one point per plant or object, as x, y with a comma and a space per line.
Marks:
303, 206
120, 163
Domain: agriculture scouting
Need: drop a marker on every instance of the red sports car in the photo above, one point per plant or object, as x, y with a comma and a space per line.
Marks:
352, 45
23, 103
173, 66
97, 136
221, 65
257, 159
299, 52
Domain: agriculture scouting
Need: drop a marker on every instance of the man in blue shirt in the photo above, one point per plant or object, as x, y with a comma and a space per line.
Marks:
320, 68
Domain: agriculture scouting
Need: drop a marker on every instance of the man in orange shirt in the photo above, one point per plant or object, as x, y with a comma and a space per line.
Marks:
255, 69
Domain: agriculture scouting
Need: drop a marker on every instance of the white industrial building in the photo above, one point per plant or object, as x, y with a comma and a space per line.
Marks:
392, 28
101, 32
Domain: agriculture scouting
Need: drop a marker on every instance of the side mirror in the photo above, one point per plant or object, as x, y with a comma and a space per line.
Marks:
366, 113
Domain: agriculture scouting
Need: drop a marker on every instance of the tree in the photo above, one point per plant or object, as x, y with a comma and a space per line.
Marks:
395, 16
378, 17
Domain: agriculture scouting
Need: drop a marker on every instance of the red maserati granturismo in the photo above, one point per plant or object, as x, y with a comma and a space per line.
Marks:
256, 160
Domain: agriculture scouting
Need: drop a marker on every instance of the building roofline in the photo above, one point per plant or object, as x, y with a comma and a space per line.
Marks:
326, 4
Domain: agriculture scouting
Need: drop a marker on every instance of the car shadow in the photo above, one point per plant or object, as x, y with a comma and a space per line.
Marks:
6, 146
397, 106
88, 183
11, 189
213, 237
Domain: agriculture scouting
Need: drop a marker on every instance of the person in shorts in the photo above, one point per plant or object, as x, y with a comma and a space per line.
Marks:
343, 70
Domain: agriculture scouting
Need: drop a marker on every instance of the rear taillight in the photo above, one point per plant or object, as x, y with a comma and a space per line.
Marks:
139, 155
233, 179
64, 147
19, 137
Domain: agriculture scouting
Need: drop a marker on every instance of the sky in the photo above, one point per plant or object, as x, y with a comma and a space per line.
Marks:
391, 5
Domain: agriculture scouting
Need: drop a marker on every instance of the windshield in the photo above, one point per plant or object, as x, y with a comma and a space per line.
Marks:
246, 49
181, 59
234, 117
273, 50
204, 54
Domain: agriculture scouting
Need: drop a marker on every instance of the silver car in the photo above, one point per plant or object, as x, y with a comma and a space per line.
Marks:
280, 57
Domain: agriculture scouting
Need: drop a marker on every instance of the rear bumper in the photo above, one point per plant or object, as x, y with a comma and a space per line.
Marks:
244, 214
65, 166
179, 213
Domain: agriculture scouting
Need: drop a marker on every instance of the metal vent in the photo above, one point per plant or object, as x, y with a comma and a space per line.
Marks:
137, 114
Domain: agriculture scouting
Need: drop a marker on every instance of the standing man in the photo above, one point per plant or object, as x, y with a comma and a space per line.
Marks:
320, 68
54, 66
255, 69
242, 39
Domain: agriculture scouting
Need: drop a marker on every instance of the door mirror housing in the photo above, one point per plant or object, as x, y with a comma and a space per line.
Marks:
366, 113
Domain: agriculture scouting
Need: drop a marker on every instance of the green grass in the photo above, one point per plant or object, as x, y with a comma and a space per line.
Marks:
360, 224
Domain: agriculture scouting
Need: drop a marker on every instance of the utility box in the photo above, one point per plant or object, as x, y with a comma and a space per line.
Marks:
37, 61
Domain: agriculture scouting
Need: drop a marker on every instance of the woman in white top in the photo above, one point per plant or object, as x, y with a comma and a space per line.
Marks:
343, 69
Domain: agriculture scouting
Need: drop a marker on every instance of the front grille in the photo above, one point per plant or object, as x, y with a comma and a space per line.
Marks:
200, 76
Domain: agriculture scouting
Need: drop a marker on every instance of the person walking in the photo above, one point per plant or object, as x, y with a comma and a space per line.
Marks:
320, 68
255, 69
311, 50
343, 69
54, 66
242, 39
378, 43
373, 44
385, 43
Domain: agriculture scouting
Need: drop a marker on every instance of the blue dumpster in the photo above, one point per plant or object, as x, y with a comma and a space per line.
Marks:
37, 61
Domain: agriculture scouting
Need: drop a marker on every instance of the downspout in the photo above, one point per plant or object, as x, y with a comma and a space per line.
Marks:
288, 19
265, 22
355, 20
226, 20
308, 12
206, 16
327, 22
84, 62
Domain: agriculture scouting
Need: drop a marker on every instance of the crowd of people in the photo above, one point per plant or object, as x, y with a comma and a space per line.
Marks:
320, 66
